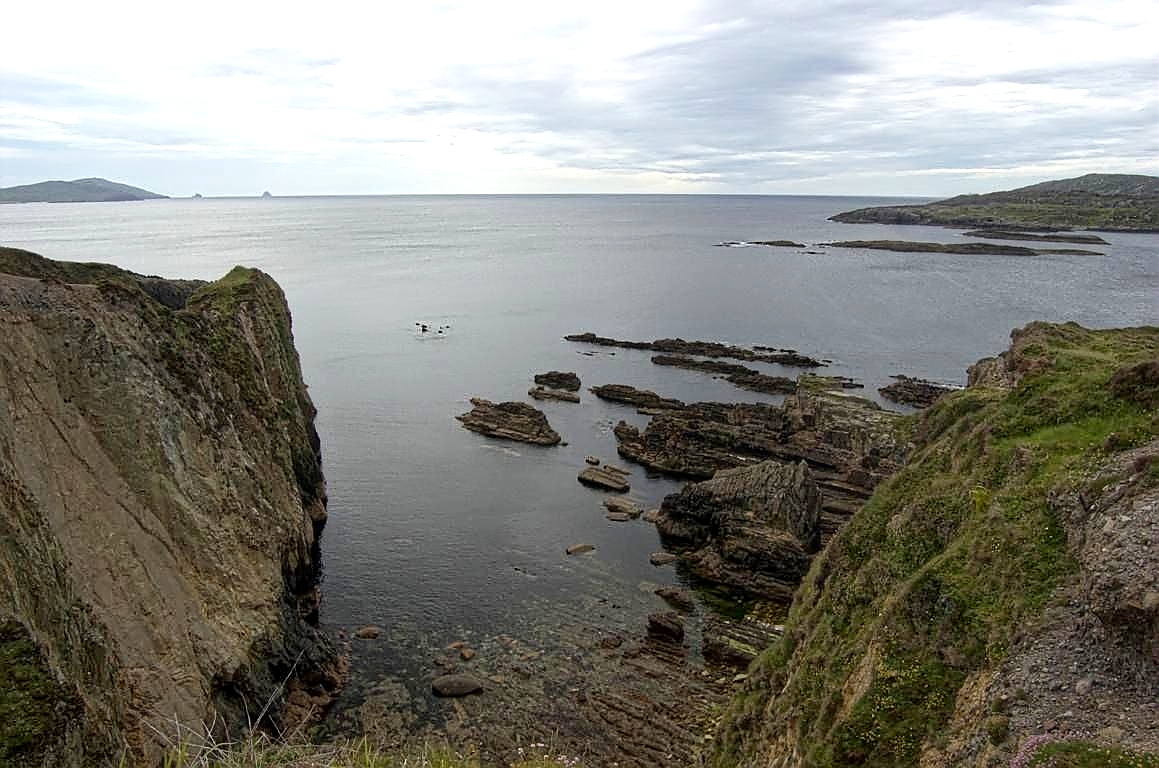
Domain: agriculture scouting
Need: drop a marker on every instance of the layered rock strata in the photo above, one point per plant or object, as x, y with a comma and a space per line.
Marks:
161, 495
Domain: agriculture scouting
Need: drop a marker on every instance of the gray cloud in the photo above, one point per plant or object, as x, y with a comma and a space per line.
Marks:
751, 97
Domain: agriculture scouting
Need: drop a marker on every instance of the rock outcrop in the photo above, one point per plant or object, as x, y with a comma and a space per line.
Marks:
161, 497
754, 528
758, 353
998, 588
510, 421
543, 393
565, 380
850, 444
910, 391
606, 478
641, 398
738, 375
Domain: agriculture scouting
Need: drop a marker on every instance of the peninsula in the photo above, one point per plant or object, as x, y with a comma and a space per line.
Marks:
77, 191
1103, 201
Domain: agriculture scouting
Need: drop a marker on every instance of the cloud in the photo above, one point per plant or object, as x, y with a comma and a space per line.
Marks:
896, 96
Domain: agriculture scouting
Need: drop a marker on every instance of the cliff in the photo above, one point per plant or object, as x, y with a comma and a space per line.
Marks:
1105, 201
78, 191
161, 496
1003, 585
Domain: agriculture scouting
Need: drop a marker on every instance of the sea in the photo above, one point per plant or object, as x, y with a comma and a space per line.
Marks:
439, 535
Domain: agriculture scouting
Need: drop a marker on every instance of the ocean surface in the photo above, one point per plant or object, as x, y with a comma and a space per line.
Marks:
438, 534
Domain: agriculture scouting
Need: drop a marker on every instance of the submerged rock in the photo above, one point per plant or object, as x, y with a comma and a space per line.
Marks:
558, 380
511, 421
680, 599
579, 549
453, 686
754, 527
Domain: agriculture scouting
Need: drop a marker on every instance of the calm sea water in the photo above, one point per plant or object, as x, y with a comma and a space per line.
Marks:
437, 533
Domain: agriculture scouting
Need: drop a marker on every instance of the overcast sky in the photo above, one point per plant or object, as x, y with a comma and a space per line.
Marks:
906, 97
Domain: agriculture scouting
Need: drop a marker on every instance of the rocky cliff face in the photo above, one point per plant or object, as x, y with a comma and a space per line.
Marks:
1001, 586
161, 495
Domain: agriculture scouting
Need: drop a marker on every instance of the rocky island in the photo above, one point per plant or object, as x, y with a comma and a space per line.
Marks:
162, 499
78, 191
1103, 201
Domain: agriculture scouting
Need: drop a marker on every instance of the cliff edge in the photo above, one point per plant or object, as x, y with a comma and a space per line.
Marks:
998, 593
161, 495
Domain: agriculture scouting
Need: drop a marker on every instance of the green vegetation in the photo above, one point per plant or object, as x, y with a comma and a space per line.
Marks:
32, 704
1096, 201
948, 559
260, 752
1078, 754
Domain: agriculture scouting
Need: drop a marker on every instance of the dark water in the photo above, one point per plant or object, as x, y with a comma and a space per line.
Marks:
436, 533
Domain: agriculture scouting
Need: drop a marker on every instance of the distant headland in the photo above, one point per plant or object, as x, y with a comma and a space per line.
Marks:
1105, 201
78, 191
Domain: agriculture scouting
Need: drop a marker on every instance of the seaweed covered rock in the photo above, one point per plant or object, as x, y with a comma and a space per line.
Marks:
161, 497
754, 528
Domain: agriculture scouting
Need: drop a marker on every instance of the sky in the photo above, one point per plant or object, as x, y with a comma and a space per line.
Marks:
892, 97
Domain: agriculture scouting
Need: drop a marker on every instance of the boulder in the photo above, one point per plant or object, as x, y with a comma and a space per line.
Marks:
662, 558
617, 517
511, 421
456, 685
754, 528
370, 632
599, 477
558, 380
579, 549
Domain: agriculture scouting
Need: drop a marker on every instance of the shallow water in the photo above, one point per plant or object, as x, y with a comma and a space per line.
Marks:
439, 534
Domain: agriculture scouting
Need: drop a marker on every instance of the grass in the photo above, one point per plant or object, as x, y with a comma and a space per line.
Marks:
260, 751
947, 560
32, 704
1080, 754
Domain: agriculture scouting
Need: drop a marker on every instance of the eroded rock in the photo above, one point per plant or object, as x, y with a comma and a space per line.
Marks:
510, 421
753, 527
601, 477
543, 393
558, 380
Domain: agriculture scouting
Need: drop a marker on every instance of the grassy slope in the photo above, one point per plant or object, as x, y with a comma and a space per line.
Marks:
1096, 201
930, 581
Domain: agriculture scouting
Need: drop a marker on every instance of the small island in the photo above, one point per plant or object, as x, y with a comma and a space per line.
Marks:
78, 191
1113, 202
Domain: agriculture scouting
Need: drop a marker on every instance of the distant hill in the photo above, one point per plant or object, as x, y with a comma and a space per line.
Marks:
1106, 201
79, 191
